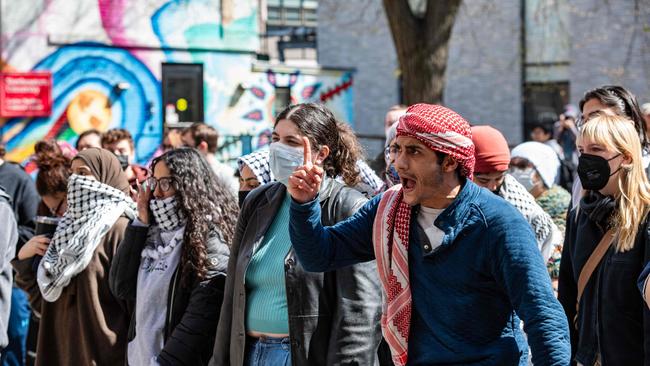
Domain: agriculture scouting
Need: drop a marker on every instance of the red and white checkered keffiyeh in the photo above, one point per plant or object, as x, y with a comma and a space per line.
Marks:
442, 130
390, 237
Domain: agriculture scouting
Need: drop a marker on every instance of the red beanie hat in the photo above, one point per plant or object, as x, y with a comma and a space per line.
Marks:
491, 150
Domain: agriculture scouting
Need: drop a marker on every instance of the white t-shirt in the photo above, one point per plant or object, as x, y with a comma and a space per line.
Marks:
426, 217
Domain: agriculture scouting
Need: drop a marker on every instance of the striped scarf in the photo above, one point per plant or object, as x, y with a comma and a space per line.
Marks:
391, 239
93, 209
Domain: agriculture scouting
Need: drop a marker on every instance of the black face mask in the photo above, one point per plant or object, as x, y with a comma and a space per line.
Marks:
242, 197
594, 171
124, 161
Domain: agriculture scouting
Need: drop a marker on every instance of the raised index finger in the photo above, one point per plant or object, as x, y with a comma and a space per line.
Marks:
306, 151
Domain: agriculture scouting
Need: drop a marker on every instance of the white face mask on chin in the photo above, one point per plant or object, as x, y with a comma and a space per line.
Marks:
524, 177
283, 160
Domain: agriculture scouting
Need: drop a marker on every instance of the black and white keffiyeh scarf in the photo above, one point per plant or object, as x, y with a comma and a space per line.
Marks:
166, 214
93, 209
165, 233
546, 233
258, 162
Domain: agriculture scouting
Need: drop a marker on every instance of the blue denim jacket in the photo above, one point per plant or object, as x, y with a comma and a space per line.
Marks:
469, 293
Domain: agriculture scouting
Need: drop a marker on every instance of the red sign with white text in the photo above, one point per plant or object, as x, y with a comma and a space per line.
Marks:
25, 94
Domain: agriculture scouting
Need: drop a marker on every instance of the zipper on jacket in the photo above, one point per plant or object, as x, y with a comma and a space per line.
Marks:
289, 263
601, 272
170, 304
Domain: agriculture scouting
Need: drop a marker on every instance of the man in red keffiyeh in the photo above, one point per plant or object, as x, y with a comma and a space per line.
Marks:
459, 266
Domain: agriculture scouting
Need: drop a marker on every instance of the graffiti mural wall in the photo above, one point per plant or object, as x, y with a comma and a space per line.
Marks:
92, 46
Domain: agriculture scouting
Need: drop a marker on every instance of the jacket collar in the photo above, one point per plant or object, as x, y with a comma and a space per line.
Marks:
452, 220
325, 189
268, 207
274, 195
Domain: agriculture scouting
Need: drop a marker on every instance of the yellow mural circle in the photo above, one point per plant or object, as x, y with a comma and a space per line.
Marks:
89, 110
181, 104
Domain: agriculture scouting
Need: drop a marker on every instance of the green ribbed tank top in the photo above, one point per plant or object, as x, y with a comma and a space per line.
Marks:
266, 298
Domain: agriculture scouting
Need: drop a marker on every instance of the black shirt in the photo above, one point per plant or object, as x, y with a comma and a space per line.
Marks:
24, 198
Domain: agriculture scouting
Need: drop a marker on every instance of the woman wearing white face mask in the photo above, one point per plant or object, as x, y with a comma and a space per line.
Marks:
536, 166
274, 312
173, 260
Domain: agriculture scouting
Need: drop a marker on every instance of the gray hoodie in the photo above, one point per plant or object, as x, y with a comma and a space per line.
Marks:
8, 241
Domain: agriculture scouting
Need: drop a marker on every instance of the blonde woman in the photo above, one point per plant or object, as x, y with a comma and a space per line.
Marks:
612, 326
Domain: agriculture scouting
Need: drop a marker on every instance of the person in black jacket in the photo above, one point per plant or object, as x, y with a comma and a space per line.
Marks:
173, 260
612, 324
24, 201
275, 312
24, 197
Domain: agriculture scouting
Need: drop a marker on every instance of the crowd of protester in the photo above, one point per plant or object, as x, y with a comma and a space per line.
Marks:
454, 248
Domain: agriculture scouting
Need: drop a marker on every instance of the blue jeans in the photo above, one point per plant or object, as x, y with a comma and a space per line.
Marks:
267, 351
14, 354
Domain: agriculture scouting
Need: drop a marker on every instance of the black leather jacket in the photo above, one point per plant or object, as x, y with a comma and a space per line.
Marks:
192, 311
333, 316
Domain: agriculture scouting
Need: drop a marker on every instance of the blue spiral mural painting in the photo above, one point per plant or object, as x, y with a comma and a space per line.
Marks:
112, 77
85, 95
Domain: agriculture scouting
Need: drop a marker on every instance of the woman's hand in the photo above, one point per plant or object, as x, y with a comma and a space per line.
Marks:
143, 197
37, 245
305, 181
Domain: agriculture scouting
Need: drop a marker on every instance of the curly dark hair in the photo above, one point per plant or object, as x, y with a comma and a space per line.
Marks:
116, 135
207, 204
318, 124
53, 168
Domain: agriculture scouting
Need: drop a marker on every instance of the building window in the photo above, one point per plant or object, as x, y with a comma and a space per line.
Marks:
182, 92
546, 60
290, 30
282, 98
543, 103
295, 13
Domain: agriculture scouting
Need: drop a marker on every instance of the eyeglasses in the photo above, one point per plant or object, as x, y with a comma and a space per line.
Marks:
165, 183
390, 152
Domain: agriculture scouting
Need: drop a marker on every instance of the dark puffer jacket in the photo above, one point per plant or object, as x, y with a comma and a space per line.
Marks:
192, 311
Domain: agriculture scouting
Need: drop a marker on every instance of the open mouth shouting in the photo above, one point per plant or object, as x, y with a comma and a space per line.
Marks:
408, 184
